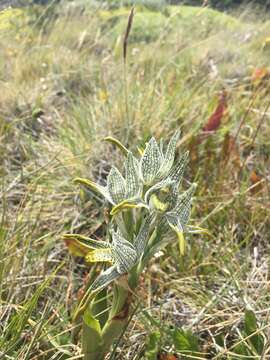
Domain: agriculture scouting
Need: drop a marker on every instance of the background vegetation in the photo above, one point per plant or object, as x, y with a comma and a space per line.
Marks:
221, 4
62, 91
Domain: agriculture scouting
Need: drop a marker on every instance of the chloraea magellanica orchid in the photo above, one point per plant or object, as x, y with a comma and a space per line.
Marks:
146, 203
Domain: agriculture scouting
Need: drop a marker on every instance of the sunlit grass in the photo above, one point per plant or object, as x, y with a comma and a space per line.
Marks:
62, 91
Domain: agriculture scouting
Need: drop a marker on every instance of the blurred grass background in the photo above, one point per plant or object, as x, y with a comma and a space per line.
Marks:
62, 91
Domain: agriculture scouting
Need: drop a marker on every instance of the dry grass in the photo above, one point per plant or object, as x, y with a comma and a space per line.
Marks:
62, 92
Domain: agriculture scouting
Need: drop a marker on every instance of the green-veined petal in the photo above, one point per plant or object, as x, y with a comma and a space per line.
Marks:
104, 279
161, 147
124, 253
142, 237
132, 177
177, 171
116, 185
150, 162
183, 205
169, 156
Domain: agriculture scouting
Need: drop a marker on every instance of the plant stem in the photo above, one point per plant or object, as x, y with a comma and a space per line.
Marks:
96, 348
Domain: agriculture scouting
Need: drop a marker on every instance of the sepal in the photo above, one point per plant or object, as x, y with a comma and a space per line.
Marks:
92, 186
99, 255
150, 162
117, 143
116, 185
176, 226
133, 187
169, 156
80, 245
124, 253
127, 204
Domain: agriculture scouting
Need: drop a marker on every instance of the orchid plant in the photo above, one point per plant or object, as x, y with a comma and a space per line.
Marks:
145, 205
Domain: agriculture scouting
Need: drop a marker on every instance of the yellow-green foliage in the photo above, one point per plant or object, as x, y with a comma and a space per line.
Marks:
9, 18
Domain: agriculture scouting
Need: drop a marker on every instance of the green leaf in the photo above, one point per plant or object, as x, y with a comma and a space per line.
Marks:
250, 326
152, 346
185, 341
250, 323
150, 162
116, 185
241, 349
91, 322
91, 330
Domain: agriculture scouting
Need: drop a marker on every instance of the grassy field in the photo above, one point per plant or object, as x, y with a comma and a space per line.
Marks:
63, 89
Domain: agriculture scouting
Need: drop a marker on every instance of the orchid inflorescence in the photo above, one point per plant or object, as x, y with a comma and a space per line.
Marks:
145, 205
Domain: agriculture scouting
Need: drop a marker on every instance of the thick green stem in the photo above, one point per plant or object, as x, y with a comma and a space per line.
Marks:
119, 313
96, 347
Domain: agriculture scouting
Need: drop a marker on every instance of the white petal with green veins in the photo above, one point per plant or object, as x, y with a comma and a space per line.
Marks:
161, 147
116, 185
124, 253
150, 162
168, 160
104, 279
142, 237
132, 177
177, 171
183, 205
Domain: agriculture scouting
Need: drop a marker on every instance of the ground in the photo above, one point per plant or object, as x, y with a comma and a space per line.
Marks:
63, 89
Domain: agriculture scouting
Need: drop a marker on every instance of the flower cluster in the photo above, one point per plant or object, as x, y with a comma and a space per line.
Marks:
145, 204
